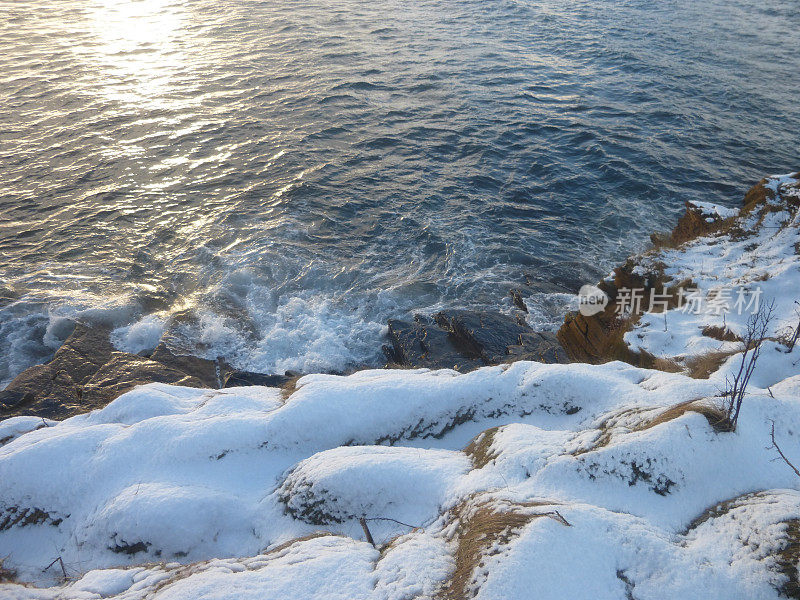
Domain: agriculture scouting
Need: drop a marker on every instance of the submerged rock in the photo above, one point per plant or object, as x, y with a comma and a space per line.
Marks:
465, 339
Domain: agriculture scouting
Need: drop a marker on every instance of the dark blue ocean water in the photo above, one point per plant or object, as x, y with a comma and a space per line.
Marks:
293, 173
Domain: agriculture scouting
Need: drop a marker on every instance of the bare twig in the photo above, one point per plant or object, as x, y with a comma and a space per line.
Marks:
778, 448
757, 329
392, 520
556, 516
367, 534
796, 335
61, 562
6, 574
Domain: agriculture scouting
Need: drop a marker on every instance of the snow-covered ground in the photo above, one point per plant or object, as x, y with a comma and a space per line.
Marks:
516, 481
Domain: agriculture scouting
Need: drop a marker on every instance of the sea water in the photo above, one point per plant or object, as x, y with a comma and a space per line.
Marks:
288, 174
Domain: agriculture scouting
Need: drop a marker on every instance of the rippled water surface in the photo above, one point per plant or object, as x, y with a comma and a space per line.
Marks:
296, 172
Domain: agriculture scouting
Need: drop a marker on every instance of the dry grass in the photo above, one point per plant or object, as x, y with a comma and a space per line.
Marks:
787, 559
188, 570
660, 363
715, 416
703, 365
667, 365
479, 449
292, 542
720, 509
723, 334
787, 555
6, 575
290, 387
479, 530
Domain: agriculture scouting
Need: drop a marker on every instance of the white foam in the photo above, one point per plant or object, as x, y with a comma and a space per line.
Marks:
140, 335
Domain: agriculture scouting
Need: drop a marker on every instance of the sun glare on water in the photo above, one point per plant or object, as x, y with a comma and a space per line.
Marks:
139, 49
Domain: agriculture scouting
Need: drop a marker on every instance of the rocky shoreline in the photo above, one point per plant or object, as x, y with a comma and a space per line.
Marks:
430, 483
87, 372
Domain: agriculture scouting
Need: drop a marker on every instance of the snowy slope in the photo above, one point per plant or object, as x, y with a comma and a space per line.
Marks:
517, 481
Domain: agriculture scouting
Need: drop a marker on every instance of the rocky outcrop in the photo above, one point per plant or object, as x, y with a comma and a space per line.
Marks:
86, 373
54, 389
123, 372
246, 378
599, 337
211, 373
464, 340
692, 224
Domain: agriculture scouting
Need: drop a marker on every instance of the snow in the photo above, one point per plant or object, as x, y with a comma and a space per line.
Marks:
176, 493
762, 266
715, 210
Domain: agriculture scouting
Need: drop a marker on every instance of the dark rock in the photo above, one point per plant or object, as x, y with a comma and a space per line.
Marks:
539, 346
125, 371
245, 378
12, 402
464, 340
86, 350
483, 334
422, 343
516, 298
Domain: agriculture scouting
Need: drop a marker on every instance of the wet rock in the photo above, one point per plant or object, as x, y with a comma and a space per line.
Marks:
53, 390
211, 372
539, 346
519, 302
86, 350
422, 343
87, 373
125, 371
246, 378
36, 391
483, 335
497, 338
464, 340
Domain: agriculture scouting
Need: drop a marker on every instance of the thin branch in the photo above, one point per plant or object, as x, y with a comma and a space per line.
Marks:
778, 448
61, 562
556, 516
392, 520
